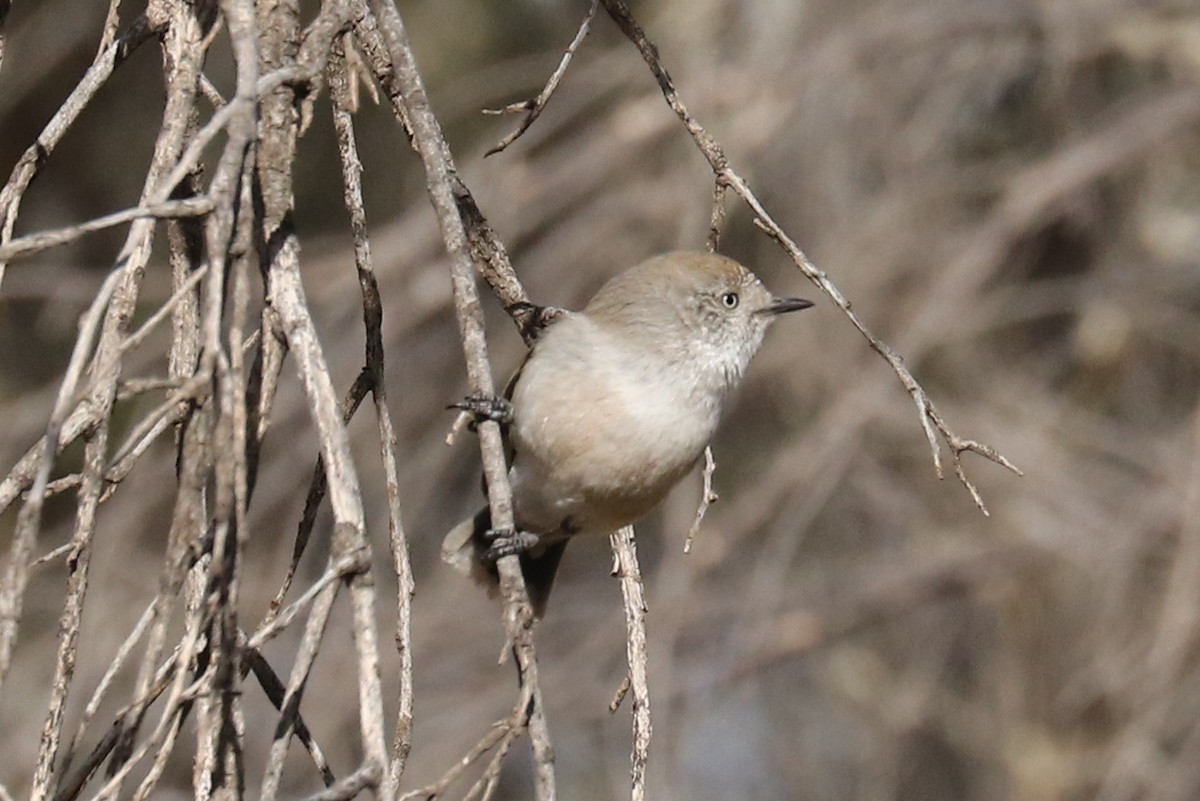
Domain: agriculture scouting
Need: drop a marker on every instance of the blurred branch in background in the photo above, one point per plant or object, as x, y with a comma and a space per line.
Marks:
1007, 190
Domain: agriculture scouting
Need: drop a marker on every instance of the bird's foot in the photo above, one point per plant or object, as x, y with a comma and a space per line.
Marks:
532, 319
485, 407
504, 542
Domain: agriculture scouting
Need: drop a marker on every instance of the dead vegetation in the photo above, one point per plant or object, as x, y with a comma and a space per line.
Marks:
1007, 192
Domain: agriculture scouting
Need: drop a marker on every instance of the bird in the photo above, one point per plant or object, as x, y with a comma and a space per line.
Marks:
613, 406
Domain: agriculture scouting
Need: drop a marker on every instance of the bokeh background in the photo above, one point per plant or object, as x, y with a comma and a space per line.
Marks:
1009, 193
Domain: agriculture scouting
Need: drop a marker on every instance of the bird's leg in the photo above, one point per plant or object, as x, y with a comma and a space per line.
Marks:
485, 407
504, 542
532, 319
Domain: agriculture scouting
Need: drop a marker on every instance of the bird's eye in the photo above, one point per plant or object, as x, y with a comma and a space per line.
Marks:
730, 300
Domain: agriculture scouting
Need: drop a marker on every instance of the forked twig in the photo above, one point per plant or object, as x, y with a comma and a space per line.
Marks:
932, 422
533, 107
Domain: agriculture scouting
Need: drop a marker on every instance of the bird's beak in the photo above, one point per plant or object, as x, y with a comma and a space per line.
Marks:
785, 305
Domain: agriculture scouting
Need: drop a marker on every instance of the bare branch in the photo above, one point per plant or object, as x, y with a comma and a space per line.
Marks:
365, 777
341, 82
502, 734
627, 570
931, 421
112, 19
707, 499
171, 209
36, 154
533, 108
439, 170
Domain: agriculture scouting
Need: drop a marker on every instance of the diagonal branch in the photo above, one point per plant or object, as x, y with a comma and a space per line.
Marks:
35, 155
932, 422
533, 107
168, 210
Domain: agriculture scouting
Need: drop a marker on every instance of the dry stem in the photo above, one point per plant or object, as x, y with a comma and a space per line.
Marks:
932, 422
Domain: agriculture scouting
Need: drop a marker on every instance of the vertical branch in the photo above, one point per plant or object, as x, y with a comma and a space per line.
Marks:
343, 123
280, 256
5, 5
717, 218
439, 171
630, 574
707, 499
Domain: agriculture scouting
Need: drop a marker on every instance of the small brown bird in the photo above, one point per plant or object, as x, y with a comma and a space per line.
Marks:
614, 405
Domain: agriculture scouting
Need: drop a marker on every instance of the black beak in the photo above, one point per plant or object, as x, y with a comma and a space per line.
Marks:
785, 305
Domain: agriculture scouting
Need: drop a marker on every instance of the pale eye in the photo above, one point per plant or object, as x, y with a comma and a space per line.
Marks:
730, 300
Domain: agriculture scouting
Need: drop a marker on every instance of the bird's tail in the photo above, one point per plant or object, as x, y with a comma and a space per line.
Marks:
465, 549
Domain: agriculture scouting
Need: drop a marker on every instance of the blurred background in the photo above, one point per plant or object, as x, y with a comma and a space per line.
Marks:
1009, 193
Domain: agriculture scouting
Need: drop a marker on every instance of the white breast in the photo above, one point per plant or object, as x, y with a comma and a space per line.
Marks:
601, 437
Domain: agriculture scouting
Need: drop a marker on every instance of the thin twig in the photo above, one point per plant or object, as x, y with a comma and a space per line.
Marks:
619, 696
170, 209
16, 574
341, 83
717, 217
268, 679
498, 731
707, 498
318, 485
367, 776
501, 733
268, 629
533, 108
439, 170
102, 687
632, 591
36, 154
931, 420
112, 19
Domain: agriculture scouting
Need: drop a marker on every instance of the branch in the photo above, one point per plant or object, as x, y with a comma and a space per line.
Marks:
439, 170
36, 154
533, 108
707, 499
932, 422
627, 570
168, 210
366, 776
279, 124
501, 735
341, 81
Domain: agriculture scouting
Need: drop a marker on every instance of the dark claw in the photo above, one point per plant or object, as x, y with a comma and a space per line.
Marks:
532, 319
485, 407
507, 542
